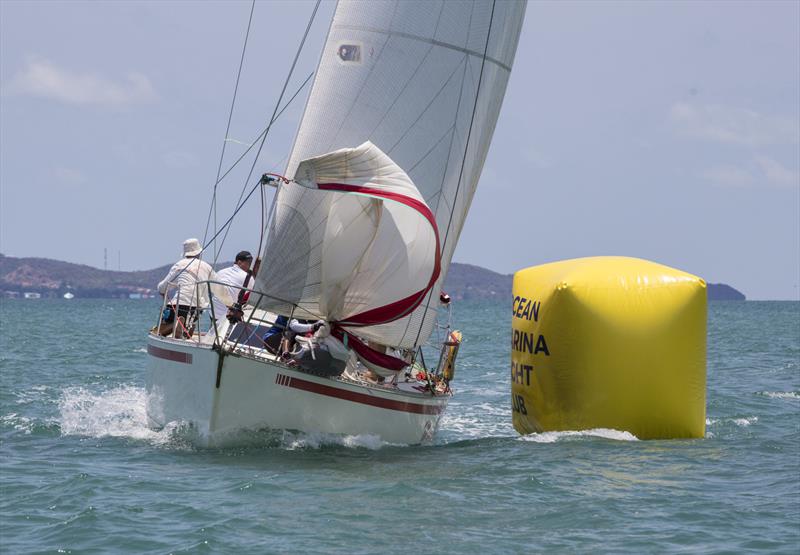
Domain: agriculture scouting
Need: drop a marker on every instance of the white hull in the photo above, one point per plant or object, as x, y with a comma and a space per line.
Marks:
255, 392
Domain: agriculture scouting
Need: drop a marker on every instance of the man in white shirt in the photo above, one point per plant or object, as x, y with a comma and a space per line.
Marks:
185, 297
234, 277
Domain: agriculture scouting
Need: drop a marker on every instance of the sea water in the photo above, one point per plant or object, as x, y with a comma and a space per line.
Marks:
82, 473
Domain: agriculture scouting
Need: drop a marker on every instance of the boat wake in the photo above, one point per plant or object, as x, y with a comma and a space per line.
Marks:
118, 412
121, 413
300, 440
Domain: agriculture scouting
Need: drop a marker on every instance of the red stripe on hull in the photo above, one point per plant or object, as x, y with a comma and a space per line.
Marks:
166, 354
362, 398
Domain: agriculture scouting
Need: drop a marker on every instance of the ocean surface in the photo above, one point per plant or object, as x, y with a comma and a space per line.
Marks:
82, 473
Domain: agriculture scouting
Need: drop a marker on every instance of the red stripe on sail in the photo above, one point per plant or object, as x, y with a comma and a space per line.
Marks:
397, 309
368, 353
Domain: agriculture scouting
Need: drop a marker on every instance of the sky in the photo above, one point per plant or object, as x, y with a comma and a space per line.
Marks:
668, 131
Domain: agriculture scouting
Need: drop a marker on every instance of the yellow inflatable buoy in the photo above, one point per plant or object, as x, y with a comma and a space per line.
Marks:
609, 342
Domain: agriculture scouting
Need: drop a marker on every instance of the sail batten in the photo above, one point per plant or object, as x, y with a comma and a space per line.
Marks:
423, 81
430, 41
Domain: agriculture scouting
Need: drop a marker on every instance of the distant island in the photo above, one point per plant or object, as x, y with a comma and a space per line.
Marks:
43, 277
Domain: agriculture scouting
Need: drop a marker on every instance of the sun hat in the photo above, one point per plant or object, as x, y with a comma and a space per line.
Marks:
191, 247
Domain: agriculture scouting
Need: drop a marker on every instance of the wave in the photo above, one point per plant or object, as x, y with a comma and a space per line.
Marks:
301, 440
780, 394
25, 424
604, 433
484, 420
742, 422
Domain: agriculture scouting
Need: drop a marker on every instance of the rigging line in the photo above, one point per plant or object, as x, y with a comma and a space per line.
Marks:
228, 129
466, 145
254, 141
225, 225
427, 106
408, 81
277, 105
454, 136
266, 129
444, 171
431, 149
263, 223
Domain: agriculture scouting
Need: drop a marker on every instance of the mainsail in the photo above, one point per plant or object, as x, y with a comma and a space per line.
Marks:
423, 81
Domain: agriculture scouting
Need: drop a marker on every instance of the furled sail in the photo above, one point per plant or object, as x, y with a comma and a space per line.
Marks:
369, 243
423, 81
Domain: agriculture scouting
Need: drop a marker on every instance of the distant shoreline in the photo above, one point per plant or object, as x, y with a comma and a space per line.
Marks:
50, 278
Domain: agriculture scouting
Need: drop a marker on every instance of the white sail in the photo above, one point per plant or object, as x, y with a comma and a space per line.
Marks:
424, 82
355, 210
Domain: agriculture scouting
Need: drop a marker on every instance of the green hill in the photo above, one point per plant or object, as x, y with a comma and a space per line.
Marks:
53, 278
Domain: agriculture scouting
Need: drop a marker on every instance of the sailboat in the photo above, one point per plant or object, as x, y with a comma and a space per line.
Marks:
382, 172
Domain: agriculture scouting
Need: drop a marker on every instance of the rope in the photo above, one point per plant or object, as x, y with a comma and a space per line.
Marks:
266, 129
277, 105
185, 331
227, 130
241, 202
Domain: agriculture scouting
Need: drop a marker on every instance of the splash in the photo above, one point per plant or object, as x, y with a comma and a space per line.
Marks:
121, 413
604, 433
118, 412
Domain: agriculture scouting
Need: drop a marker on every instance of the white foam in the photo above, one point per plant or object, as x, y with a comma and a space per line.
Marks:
140, 350
19, 423
478, 424
743, 422
117, 412
605, 433
300, 440
780, 394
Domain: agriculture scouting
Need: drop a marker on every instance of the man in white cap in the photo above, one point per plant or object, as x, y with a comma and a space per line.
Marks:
181, 284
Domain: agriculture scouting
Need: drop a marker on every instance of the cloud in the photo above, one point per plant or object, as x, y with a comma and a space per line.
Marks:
729, 176
760, 170
43, 79
736, 126
776, 173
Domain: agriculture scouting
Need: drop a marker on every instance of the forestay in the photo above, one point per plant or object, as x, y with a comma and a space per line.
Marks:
424, 82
